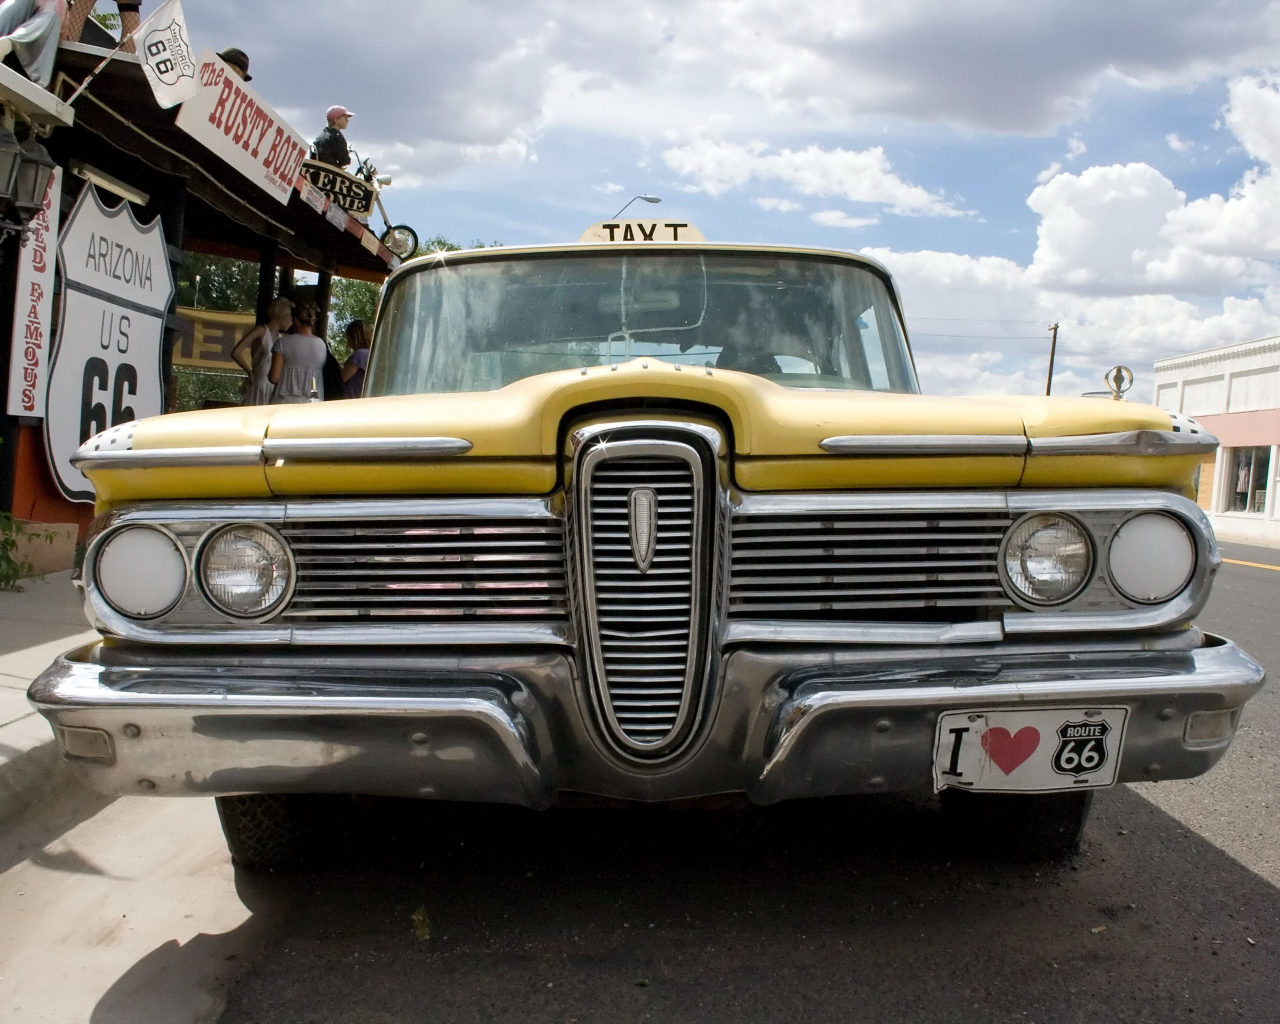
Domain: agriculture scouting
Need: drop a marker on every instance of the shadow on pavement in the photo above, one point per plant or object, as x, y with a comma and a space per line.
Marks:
67, 803
825, 910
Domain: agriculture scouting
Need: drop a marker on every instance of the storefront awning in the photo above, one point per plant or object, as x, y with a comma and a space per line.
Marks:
119, 126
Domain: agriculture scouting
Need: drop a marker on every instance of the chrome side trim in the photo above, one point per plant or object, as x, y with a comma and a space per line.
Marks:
800, 503
893, 445
1127, 442
387, 449
417, 508
558, 634
767, 631
165, 458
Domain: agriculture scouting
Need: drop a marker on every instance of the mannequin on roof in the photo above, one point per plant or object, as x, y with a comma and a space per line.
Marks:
29, 29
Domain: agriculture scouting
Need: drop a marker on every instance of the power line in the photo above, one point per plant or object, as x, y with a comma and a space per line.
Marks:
974, 320
980, 337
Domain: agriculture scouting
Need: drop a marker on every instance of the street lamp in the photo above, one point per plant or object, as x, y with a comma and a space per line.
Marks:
647, 199
35, 170
197, 302
10, 159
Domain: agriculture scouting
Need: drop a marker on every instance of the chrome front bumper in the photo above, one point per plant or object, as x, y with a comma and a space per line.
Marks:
786, 722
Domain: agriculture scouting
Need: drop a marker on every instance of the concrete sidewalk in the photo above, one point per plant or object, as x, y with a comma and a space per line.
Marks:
35, 627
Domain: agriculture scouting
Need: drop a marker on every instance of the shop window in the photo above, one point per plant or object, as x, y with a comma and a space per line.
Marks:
1250, 472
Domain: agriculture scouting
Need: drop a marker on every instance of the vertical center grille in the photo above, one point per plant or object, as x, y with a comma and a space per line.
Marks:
643, 519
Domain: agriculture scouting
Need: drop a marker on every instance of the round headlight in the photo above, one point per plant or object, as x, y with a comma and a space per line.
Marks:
141, 571
1151, 558
245, 570
1047, 558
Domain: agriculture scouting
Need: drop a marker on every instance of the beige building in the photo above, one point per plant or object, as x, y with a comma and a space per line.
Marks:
1234, 392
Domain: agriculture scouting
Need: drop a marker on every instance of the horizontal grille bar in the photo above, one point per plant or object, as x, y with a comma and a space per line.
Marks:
867, 566
438, 569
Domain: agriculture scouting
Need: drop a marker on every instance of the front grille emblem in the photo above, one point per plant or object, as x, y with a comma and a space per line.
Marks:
642, 505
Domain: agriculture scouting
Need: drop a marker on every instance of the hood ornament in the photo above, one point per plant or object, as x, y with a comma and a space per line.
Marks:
1119, 379
642, 506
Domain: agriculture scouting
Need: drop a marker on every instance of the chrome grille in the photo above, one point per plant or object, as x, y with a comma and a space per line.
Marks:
644, 625
445, 569
874, 566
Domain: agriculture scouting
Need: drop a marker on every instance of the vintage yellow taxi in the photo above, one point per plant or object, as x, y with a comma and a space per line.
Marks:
649, 519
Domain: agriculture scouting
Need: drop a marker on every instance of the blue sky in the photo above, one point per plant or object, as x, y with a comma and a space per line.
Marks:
1105, 165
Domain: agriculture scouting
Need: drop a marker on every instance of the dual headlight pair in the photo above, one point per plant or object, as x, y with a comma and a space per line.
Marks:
244, 571
1048, 558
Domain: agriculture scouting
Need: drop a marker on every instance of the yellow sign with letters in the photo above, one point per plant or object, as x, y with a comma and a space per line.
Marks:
208, 336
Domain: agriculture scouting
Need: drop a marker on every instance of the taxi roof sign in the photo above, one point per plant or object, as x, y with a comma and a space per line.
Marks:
642, 231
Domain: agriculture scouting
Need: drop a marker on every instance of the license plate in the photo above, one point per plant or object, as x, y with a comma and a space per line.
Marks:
1028, 750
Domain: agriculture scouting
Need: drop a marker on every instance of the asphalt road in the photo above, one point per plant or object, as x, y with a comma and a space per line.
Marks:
834, 910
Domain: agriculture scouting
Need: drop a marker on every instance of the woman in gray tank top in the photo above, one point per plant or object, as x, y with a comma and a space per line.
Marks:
297, 364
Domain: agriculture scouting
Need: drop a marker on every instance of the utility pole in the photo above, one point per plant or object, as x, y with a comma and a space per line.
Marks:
1053, 351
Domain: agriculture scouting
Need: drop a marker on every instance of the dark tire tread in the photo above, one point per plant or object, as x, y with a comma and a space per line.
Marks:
263, 830
1022, 827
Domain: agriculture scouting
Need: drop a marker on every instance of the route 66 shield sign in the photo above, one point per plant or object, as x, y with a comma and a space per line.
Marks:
1082, 748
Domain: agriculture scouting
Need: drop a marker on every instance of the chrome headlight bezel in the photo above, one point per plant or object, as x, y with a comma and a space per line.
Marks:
104, 541
1186, 580
1030, 601
269, 611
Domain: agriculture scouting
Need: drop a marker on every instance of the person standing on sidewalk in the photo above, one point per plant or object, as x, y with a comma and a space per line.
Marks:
358, 362
254, 351
297, 362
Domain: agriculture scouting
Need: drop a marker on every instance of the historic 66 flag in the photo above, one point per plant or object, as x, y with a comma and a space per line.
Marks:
167, 60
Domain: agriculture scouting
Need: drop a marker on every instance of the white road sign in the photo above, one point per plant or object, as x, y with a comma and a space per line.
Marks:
107, 365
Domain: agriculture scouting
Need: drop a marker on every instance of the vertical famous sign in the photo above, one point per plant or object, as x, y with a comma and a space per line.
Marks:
228, 118
107, 367
33, 308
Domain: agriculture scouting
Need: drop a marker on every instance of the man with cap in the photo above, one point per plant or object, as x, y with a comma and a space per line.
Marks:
331, 145
239, 61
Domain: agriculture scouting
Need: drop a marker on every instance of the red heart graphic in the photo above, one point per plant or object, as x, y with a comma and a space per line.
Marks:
1010, 751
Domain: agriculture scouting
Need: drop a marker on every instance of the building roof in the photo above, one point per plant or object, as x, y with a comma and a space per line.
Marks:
1212, 355
120, 129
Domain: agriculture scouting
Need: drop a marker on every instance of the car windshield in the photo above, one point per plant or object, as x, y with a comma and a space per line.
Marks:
480, 325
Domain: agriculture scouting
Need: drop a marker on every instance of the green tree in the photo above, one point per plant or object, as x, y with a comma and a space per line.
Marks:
227, 285
351, 300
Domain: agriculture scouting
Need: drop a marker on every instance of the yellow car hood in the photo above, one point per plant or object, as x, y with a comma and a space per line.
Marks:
515, 434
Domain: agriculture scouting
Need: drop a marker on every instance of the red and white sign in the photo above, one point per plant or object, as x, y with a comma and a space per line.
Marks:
232, 121
1028, 750
33, 308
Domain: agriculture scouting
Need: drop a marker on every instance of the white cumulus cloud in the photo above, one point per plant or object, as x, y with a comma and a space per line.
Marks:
1049, 172
781, 205
840, 219
862, 176
1178, 145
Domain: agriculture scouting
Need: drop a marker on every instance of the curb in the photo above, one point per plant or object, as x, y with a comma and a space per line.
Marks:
29, 763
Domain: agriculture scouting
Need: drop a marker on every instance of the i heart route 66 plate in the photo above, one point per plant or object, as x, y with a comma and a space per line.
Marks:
1028, 751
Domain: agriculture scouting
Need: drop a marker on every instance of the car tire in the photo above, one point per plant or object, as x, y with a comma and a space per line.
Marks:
264, 830
1022, 827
